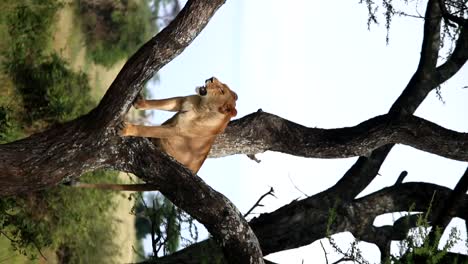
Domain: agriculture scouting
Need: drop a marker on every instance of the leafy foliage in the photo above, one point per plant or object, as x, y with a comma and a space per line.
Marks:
158, 217
9, 127
391, 8
46, 91
49, 89
29, 25
115, 29
418, 244
416, 247
57, 219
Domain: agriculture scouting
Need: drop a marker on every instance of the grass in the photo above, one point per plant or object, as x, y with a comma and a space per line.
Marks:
70, 43
75, 50
7, 255
68, 39
55, 218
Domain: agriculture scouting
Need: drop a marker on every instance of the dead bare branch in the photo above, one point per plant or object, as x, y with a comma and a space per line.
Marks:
257, 204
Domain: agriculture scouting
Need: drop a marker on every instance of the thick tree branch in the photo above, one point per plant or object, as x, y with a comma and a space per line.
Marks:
261, 131
456, 60
47, 158
356, 179
193, 195
451, 17
441, 214
151, 57
285, 228
422, 81
77, 145
90, 142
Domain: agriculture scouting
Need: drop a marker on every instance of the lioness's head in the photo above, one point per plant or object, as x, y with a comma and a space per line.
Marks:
219, 94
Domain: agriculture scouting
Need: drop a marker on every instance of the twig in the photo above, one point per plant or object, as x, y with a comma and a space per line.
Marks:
289, 176
16, 241
451, 17
39, 250
343, 259
11, 239
402, 176
324, 252
270, 192
400, 13
253, 157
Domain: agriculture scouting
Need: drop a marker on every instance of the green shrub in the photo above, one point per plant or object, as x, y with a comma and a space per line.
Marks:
10, 129
29, 26
63, 217
73, 222
50, 90
115, 29
156, 214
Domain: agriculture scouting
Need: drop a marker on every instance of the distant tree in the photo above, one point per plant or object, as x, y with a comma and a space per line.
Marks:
91, 142
114, 29
164, 11
158, 217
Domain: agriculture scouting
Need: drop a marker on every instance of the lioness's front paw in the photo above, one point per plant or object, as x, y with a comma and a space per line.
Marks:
123, 128
139, 101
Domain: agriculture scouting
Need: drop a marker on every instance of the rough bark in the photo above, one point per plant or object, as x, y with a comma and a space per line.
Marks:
302, 222
426, 78
261, 131
91, 142
67, 151
423, 81
192, 194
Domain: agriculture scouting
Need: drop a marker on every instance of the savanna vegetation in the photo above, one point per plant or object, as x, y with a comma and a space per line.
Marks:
115, 29
40, 89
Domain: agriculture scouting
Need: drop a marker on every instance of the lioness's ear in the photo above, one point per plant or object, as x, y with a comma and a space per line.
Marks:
228, 109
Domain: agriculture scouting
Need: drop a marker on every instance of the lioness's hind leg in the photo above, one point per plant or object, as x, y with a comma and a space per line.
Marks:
128, 129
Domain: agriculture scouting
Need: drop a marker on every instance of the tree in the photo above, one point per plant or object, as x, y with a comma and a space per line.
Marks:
91, 142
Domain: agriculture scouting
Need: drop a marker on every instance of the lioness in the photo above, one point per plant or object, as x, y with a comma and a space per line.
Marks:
189, 134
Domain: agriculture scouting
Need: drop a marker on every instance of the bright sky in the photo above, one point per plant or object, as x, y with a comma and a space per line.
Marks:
315, 63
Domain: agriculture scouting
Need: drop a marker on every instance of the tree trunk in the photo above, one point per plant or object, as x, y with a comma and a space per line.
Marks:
91, 142
65, 152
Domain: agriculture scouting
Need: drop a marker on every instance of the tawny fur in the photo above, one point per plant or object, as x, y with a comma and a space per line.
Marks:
190, 133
